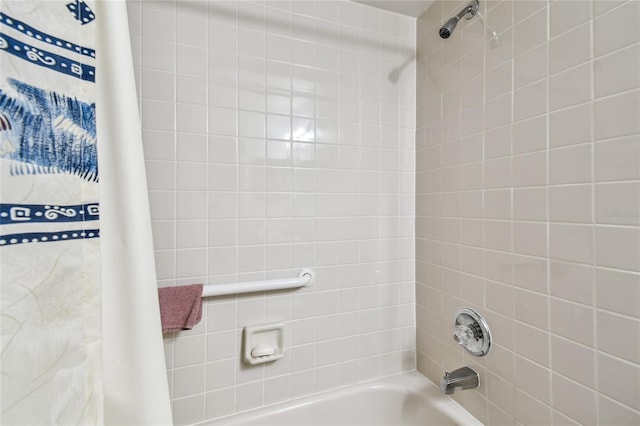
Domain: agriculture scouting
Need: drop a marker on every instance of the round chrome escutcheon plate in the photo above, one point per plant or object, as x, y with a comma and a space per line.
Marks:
471, 331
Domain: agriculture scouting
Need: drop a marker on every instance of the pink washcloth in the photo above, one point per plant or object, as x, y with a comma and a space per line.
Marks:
180, 307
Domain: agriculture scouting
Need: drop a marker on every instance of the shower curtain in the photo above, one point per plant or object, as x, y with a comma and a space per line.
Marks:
80, 335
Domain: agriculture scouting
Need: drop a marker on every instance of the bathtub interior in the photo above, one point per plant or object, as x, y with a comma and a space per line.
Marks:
403, 399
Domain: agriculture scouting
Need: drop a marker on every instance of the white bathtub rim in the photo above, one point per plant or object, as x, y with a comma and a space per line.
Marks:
413, 378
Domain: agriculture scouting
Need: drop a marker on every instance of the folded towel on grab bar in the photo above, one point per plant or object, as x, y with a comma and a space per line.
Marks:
180, 307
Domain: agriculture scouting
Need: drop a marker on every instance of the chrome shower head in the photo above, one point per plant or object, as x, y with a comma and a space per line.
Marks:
470, 11
448, 27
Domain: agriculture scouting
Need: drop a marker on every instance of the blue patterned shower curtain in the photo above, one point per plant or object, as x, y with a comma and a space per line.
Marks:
49, 215
52, 307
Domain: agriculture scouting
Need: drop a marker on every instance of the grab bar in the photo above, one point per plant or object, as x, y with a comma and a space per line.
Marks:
304, 279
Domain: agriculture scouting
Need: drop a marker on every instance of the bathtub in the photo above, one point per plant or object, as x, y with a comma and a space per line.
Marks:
404, 399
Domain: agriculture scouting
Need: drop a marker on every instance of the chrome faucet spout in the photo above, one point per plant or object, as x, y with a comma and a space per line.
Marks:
462, 378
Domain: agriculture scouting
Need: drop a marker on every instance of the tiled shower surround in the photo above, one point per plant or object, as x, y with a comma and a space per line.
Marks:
528, 206
280, 136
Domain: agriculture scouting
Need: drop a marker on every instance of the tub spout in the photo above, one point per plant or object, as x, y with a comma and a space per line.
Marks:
462, 378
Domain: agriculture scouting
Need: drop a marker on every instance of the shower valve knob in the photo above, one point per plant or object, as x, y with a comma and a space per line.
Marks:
471, 332
462, 334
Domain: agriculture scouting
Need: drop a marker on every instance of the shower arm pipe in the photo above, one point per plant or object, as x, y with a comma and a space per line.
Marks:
470, 9
304, 279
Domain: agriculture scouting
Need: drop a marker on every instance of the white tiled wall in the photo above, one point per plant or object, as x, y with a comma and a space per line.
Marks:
528, 206
279, 135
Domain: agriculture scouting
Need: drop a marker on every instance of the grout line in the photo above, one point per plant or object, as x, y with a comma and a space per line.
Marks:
237, 201
175, 192
206, 304
594, 215
548, 209
483, 187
